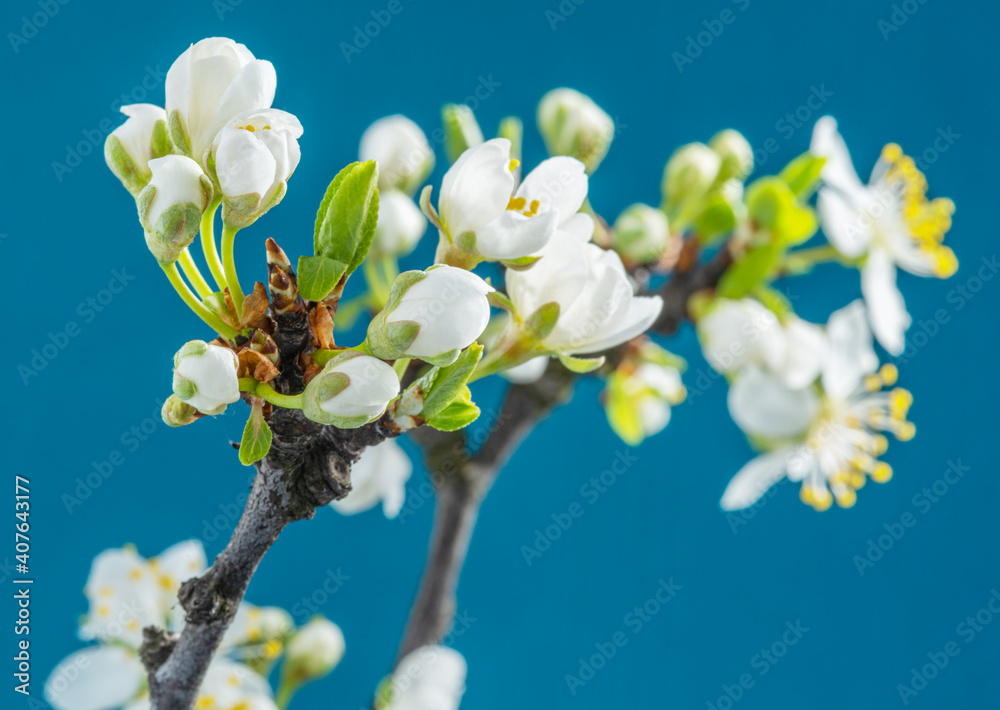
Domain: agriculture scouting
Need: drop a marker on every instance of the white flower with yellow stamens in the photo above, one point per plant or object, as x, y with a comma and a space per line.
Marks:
481, 217
127, 593
888, 223
828, 437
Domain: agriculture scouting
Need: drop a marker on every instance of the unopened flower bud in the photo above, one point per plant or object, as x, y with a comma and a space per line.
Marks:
735, 153
352, 390
254, 155
402, 152
461, 130
177, 412
572, 124
205, 376
642, 233
400, 226
314, 651
133, 144
171, 205
431, 315
690, 173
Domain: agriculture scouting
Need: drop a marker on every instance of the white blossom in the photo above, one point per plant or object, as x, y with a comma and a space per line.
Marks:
429, 678
401, 150
205, 376
314, 650
400, 226
129, 148
380, 475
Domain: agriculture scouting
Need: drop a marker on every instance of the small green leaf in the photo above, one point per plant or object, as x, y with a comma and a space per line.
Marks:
717, 218
749, 271
623, 414
521, 263
500, 300
449, 382
541, 322
318, 275
581, 365
345, 222
802, 174
256, 437
455, 416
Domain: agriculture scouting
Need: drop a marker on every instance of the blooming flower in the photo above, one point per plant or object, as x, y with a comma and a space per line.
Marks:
828, 438
205, 376
210, 83
171, 205
431, 315
133, 144
572, 124
888, 223
402, 152
126, 593
429, 678
597, 305
480, 216
353, 389
255, 154
379, 475
738, 333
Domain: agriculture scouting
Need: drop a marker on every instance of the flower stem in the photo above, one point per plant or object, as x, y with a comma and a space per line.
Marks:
268, 394
284, 695
376, 284
208, 245
174, 276
193, 273
229, 264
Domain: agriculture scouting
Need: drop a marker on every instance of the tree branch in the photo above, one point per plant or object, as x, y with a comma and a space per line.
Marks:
461, 482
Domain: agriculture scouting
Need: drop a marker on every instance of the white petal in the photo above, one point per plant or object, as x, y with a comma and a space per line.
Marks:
754, 479
251, 89
580, 226
477, 188
844, 221
641, 312
243, 163
96, 678
850, 355
512, 235
527, 372
886, 308
804, 357
380, 474
761, 404
559, 184
429, 678
838, 171
177, 564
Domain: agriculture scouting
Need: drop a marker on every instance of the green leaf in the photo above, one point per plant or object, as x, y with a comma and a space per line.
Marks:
773, 207
749, 271
500, 300
623, 415
448, 383
522, 263
802, 174
345, 222
318, 275
541, 322
717, 218
580, 365
455, 416
773, 300
256, 437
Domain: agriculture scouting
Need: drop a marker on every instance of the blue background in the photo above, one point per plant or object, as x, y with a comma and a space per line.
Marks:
65, 234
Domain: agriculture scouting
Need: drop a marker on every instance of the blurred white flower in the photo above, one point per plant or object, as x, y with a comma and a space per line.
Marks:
210, 83
598, 308
400, 226
641, 233
480, 214
313, 652
639, 397
429, 678
379, 475
888, 223
572, 124
829, 439
402, 152
205, 376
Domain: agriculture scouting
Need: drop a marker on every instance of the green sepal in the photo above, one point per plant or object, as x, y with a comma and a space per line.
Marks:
318, 275
500, 300
174, 230
160, 143
750, 270
427, 208
191, 348
580, 365
178, 133
461, 130
256, 437
346, 219
326, 385
522, 263
802, 174
125, 169
512, 129
384, 340
540, 323
402, 333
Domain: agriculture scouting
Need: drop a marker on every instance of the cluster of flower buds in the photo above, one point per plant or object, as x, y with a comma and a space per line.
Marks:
641, 391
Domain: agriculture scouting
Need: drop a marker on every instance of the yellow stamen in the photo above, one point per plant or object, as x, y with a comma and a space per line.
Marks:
847, 499
889, 374
907, 430
882, 472
516, 203
513, 164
